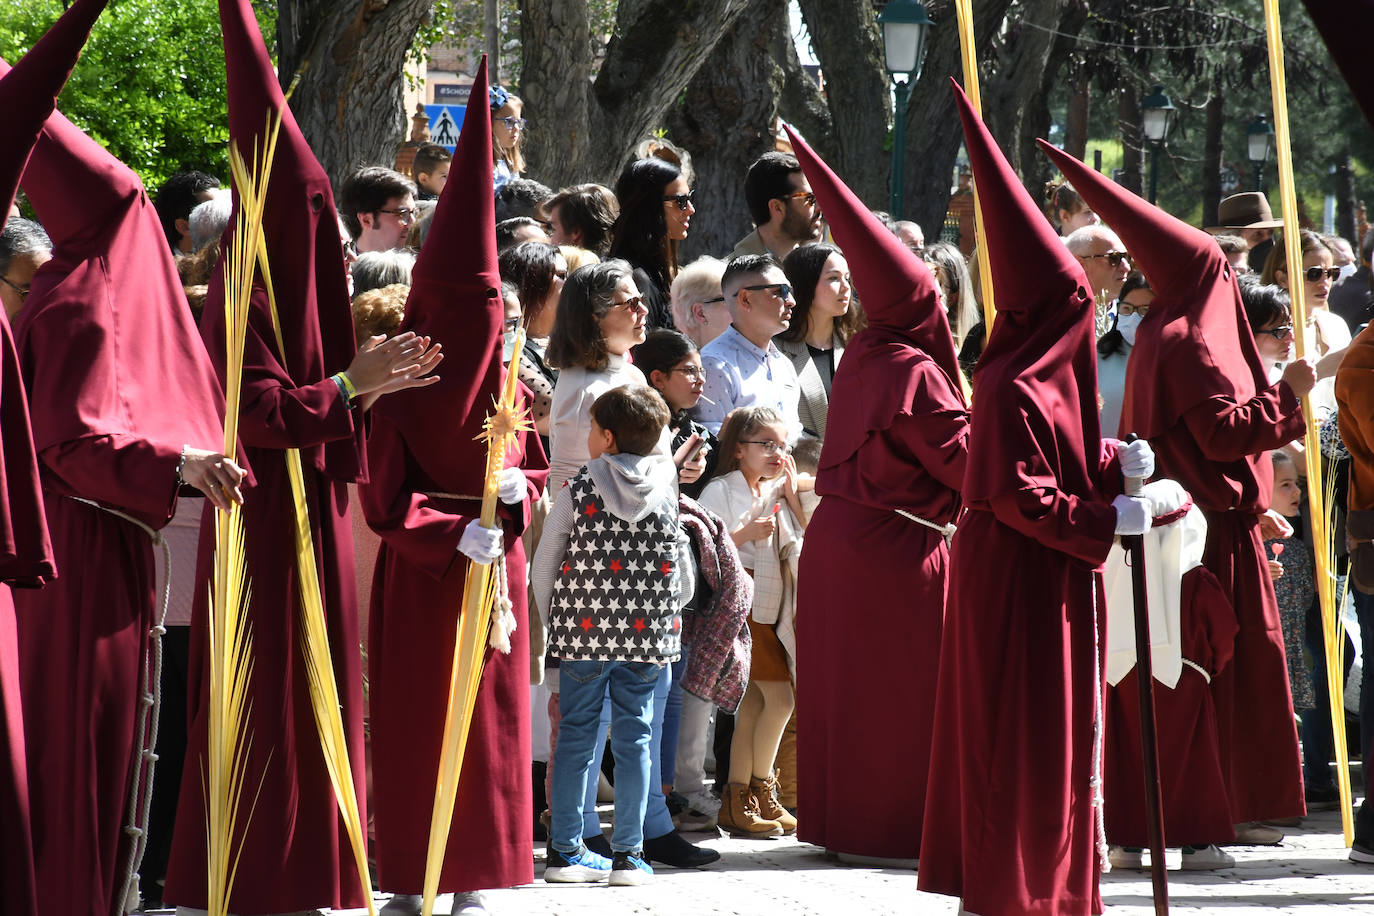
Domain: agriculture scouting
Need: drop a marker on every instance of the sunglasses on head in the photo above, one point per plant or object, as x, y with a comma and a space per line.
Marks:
1114, 258
683, 201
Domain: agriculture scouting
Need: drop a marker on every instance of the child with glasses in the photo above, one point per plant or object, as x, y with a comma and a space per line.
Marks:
755, 492
507, 135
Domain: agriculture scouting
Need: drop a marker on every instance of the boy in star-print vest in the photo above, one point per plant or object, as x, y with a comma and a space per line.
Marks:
610, 577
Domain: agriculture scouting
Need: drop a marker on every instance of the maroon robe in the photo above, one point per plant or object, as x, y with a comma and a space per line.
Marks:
1195, 387
296, 852
423, 442
1010, 824
104, 335
1192, 782
897, 439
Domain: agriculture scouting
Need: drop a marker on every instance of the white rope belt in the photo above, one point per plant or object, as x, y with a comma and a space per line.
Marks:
150, 702
1199, 669
946, 531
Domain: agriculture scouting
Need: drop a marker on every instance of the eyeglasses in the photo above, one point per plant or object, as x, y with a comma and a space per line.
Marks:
769, 446
784, 289
1313, 274
1125, 308
23, 291
692, 373
713, 301
404, 214
683, 201
1278, 333
512, 323
805, 197
1114, 258
635, 304
513, 123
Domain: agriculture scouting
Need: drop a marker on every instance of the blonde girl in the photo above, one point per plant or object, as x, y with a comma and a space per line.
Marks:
507, 135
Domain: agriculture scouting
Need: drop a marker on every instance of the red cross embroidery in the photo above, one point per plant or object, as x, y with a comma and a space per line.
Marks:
615, 565
590, 510
666, 567
639, 624
586, 624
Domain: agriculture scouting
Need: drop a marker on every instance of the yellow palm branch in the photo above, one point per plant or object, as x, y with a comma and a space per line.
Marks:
469, 652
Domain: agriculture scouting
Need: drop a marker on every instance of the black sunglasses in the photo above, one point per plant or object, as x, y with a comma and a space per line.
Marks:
784, 289
1313, 274
683, 201
1114, 258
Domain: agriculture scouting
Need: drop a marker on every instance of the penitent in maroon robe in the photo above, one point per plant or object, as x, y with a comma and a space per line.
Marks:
871, 595
1010, 823
1196, 389
296, 853
1192, 784
27, 96
423, 444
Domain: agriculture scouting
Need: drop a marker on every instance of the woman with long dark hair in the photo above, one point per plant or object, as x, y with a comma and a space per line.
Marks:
655, 214
824, 319
537, 269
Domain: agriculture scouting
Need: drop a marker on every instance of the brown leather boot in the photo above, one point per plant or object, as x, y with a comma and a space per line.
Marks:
739, 814
765, 792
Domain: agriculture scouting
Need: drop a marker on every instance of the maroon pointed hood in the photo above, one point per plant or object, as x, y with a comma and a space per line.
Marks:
1035, 394
1196, 342
1346, 28
300, 225
29, 94
906, 323
455, 298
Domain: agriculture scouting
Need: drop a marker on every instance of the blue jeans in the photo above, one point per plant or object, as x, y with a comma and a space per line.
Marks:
582, 688
657, 821
672, 721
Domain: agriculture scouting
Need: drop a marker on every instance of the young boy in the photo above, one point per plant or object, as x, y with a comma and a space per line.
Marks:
607, 581
430, 168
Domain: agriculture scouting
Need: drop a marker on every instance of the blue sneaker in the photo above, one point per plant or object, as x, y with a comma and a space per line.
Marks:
580, 867
629, 869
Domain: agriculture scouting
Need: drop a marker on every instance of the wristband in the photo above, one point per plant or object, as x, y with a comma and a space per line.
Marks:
181, 466
345, 385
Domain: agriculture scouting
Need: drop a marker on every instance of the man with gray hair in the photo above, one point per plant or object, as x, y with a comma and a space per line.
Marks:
698, 304
744, 368
1104, 259
375, 269
210, 218
24, 247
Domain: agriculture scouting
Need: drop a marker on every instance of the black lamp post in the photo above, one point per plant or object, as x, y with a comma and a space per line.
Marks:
1259, 143
1159, 116
904, 24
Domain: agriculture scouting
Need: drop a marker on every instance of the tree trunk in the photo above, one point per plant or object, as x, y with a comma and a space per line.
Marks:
933, 135
1213, 153
492, 28
802, 103
726, 121
585, 131
1132, 139
1080, 108
349, 56
1010, 101
849, 47
1345, 201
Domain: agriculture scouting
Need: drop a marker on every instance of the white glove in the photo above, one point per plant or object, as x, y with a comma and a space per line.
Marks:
1137, 459
479, 544
1132, 515
512, 486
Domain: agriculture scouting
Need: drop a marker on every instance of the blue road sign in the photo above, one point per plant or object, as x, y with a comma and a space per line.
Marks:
445, 121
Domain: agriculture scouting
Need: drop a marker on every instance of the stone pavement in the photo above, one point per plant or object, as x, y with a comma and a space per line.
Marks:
1308, 875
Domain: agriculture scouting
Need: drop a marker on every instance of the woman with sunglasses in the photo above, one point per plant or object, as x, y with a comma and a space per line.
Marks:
507, 135
655, 214
1326, 335
1114, 349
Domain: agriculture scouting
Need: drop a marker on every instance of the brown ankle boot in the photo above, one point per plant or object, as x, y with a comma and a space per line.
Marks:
739, 814
765, 791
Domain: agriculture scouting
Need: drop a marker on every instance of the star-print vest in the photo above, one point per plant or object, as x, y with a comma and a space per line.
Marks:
616, 596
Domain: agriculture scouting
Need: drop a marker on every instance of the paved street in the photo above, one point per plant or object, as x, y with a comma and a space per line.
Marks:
1307, 875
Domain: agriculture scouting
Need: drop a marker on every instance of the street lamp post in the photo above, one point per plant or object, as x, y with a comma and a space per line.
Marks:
1159, 114
904, 24
1259, 143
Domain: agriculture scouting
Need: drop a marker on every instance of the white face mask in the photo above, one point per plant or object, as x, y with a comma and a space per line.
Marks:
508, 348
1127, 325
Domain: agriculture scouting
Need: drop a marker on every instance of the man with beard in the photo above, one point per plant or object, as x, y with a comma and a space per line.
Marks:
781, 205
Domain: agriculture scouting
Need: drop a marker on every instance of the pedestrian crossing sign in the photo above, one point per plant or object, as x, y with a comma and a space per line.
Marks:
445, 121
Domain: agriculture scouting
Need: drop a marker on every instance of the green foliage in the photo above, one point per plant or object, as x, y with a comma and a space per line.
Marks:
150, 84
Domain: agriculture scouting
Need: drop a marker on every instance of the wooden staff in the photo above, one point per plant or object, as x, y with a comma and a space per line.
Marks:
1317, 505
964, 10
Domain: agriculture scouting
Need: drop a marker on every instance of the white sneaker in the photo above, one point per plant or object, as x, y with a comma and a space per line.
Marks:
703, 801
1121, 857
469, 903
403, 905
1206, 858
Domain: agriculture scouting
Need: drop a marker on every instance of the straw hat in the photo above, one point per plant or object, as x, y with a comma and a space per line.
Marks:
1249, 210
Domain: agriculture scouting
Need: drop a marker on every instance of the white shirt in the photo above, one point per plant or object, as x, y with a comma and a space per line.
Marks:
730, 497
740, 374
570, 418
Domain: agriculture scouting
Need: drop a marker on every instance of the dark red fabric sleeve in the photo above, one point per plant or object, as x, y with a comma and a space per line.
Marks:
133, 475
1082, 528
1227, 431
937, 432
275, 413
